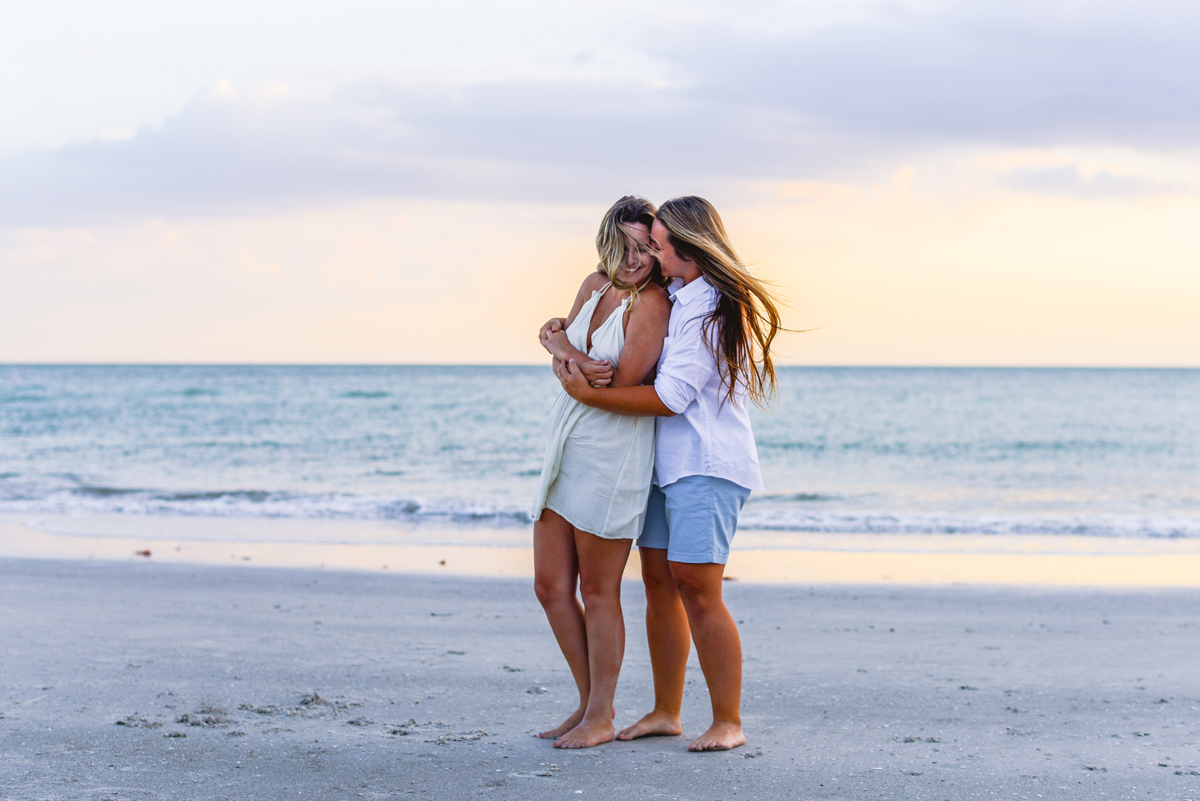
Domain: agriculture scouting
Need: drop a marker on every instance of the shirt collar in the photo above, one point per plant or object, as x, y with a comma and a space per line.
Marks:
685, 294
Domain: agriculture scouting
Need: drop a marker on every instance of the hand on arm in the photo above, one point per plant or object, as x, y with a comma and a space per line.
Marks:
552, 325
556, 327
561, 348
598, 373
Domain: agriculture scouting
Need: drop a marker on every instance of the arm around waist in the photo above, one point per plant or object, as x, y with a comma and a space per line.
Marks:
639, 401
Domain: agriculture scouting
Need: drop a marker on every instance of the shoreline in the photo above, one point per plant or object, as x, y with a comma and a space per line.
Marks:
918, 560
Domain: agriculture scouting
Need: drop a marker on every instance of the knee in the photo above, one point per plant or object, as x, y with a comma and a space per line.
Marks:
697, 596
657, 581
552, 591
600, 594
659, 586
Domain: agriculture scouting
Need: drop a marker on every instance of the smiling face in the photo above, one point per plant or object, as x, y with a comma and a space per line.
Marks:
673, 265
639, 260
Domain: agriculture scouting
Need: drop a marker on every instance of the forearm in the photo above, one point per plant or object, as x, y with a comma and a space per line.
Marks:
567, 352
639, 401
559, 346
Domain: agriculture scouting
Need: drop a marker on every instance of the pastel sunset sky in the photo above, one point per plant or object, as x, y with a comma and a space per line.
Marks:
925, 183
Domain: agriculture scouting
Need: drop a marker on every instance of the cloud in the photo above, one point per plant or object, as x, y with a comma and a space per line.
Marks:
230, 154
743, 106
1070, 181
1015, 73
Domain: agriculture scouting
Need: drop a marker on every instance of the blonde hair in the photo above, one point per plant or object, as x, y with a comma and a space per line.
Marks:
746, 318
614, 242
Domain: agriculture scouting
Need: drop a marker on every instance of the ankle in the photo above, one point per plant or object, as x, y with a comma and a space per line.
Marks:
598, 715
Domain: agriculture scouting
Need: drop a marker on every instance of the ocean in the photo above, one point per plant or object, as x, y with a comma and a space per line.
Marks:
941, 451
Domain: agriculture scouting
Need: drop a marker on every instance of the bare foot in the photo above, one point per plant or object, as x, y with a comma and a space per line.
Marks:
571, 722
655, 724
587, 734
564, 727
721, 736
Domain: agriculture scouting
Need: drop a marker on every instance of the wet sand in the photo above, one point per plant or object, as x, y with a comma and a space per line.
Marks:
141, 678
915, 559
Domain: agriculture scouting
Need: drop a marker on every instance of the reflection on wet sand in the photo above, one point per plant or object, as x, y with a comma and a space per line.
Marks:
808, 559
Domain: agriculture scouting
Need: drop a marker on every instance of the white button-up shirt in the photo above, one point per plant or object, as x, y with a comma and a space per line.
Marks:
710, 434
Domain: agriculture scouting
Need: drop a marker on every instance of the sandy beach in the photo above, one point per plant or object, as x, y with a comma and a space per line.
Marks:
304, 316
143, 679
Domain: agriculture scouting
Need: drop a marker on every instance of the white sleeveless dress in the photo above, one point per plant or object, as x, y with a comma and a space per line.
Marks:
598, 464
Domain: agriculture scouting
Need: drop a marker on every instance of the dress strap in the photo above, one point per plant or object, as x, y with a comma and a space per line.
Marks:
629, 298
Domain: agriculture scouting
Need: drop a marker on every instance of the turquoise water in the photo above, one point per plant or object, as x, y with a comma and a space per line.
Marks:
898, 450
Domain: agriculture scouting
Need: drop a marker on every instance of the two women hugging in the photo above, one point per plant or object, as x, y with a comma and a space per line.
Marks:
650, 440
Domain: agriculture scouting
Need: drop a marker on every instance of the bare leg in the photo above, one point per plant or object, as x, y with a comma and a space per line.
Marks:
601, 563
720, 650
670, 641
555, 575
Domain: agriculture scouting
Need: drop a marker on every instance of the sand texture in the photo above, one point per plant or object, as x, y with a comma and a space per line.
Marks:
147, 680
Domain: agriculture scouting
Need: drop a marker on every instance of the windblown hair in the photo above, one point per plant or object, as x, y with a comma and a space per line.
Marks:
614, 242
746, 320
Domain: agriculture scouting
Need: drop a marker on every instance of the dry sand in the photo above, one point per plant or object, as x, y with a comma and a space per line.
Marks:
147, 679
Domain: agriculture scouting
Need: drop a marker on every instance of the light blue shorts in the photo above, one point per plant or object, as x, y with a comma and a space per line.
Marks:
694, 519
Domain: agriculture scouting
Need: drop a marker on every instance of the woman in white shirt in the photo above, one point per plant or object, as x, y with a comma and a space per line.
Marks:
716, 357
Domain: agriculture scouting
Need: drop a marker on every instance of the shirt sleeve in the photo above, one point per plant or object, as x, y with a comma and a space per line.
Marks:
687, 368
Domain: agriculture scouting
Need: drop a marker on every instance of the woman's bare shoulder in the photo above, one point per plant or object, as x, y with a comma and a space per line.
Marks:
595, 280
655, 300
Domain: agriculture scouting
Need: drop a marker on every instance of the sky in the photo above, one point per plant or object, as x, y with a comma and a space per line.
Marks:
922, 183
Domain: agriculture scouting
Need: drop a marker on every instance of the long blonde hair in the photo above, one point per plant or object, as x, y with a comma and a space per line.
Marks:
613, 241
746, 318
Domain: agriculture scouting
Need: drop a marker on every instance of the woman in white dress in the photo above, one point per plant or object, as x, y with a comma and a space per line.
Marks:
597, 472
